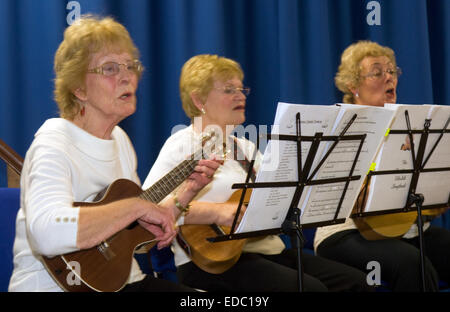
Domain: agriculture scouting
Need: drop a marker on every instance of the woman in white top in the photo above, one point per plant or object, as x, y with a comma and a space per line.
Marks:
368, 75
213, 97
76, 156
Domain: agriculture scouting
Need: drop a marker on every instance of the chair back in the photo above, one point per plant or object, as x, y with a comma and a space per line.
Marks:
9, 205
14, 163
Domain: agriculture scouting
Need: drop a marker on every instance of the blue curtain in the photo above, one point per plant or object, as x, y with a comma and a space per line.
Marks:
289, 50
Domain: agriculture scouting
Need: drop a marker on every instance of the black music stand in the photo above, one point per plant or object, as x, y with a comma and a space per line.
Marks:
292, 225
413, 198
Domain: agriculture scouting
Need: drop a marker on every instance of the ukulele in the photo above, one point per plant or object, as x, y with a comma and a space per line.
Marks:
393, 225
214, 258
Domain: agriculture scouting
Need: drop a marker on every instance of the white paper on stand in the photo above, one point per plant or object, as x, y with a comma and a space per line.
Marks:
268, 207
390, 191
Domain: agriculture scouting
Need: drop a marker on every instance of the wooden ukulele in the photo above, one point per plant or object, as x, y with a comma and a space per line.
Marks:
213, 258
391, 225
107, 266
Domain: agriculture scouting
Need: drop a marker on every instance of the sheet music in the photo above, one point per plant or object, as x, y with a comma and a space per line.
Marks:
323, 200
391, 191
268, 207
431, 184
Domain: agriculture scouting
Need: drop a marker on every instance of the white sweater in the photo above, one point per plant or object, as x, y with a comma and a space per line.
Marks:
64, 164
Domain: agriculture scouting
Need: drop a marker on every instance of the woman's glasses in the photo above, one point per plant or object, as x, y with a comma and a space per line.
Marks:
235, 90
113, 68
380, 73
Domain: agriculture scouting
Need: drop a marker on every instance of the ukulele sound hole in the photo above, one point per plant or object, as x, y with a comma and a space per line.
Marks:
132, 225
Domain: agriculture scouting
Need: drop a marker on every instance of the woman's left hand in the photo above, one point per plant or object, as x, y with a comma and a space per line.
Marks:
203, 174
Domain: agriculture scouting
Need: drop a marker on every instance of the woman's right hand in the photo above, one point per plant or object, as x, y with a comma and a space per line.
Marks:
160, 222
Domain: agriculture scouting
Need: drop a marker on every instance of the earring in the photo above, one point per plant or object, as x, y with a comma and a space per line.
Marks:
357, 94
82, 110
203, 111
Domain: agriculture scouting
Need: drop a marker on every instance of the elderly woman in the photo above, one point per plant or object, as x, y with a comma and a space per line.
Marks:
213, 96
76, 156
368, 75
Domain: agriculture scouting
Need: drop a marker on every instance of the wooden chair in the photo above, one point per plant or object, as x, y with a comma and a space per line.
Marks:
9, 205
14, 163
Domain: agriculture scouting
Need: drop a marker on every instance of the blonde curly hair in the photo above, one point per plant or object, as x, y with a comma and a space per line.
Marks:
85, 37
348, 75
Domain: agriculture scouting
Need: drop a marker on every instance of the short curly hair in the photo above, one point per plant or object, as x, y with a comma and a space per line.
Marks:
348, 75
198, 75
85, 37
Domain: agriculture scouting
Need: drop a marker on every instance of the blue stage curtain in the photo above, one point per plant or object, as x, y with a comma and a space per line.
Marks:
289, 50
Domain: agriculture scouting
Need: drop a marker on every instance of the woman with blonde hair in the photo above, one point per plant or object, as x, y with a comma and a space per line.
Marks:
361, 68
368, 75
74, 157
